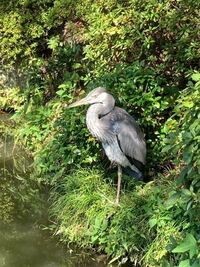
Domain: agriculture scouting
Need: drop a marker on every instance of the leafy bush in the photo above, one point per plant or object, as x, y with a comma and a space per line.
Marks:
185, 201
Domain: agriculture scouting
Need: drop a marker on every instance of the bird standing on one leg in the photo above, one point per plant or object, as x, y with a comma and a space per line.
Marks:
120, 135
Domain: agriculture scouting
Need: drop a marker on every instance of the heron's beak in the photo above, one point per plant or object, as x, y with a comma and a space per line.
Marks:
78, 103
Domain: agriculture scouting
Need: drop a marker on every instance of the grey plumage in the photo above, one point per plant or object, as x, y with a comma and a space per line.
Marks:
121, 137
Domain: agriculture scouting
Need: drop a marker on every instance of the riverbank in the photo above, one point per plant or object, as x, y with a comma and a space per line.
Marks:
81, 207
81, 198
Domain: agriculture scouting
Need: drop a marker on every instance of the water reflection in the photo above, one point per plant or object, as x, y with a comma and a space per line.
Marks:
25, 245
22, 242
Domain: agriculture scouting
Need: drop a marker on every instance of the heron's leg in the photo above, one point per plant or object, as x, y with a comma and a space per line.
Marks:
119, 183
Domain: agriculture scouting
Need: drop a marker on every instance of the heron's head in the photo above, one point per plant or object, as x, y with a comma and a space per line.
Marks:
97, 95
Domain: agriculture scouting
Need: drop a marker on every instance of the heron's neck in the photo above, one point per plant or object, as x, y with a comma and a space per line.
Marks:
94, 121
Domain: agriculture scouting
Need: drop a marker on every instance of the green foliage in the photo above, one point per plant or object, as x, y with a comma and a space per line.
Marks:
185, 138
189, 244
126, 31
184, 141
11, 99
147, 54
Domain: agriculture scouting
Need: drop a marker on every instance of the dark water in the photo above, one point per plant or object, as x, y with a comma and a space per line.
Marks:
23, 243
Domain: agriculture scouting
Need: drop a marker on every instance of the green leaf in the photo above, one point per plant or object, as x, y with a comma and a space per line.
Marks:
172, 200
189, 244
184, 263
196, 77
186, 192
60, 92
188, 104
53, 43
152, 222
94, 238
187, 156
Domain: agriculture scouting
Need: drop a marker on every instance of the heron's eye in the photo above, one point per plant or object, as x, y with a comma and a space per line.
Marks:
94, 96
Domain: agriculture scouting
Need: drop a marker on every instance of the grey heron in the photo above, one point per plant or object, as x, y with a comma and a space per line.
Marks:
119, 133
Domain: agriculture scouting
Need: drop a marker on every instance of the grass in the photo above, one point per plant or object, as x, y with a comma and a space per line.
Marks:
84, 213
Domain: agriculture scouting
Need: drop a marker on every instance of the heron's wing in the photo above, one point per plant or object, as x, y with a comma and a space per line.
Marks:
129, 135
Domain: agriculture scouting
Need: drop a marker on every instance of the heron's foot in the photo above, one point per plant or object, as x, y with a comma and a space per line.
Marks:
117, 203
114, 203
111, 202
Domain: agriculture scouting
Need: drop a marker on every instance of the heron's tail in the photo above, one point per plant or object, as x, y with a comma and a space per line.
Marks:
137, 175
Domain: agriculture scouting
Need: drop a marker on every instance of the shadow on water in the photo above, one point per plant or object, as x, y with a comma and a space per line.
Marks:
22, 242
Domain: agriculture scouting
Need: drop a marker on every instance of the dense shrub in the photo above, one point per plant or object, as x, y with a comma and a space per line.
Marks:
184, 202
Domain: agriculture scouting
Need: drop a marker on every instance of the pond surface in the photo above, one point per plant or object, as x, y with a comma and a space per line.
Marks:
23, 243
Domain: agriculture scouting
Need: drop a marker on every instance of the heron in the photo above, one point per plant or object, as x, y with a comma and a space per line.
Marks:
121, 137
